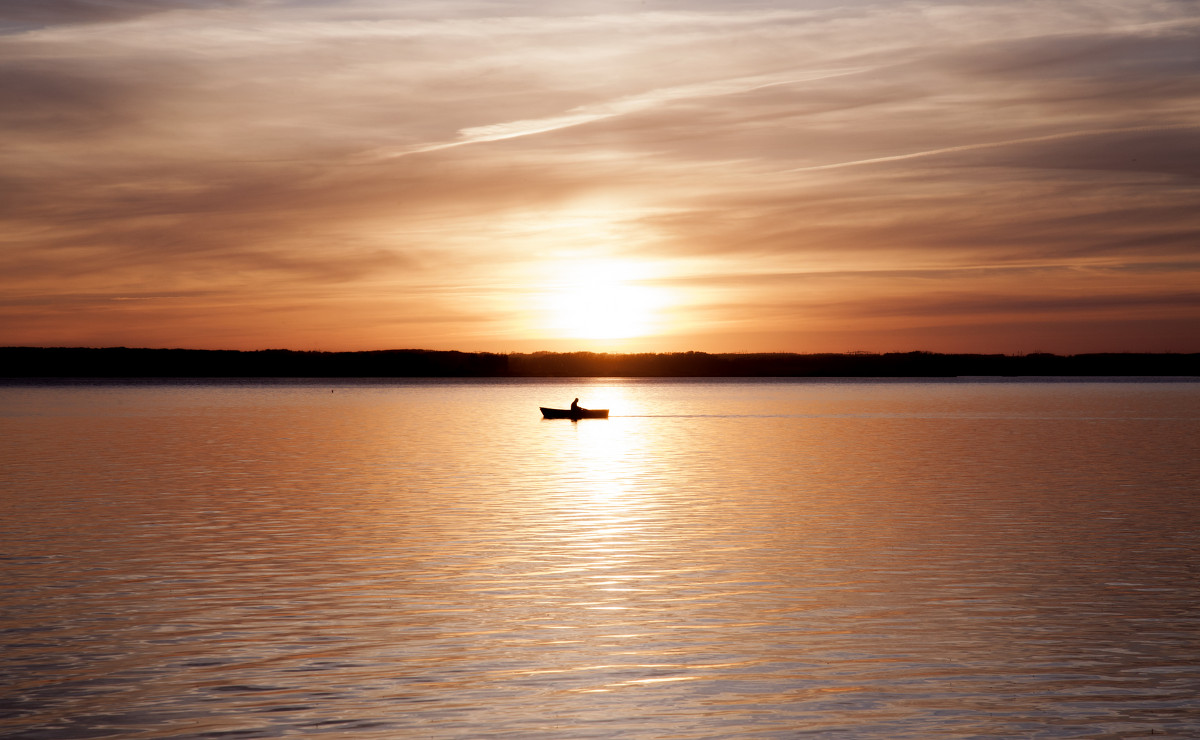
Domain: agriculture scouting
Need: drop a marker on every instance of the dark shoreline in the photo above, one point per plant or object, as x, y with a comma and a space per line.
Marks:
123, 362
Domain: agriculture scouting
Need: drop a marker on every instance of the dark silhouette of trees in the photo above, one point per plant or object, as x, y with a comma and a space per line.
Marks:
114, 362
123, 362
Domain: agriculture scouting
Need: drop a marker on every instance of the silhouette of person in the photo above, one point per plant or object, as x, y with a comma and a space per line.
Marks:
575, 405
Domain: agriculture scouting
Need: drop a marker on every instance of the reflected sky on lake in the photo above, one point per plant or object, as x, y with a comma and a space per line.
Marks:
758, 559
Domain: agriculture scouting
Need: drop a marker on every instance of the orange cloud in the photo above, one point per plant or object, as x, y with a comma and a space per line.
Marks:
875, 176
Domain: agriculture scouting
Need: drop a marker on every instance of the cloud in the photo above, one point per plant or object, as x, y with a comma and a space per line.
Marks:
964, 306
24, 15
423, 163
632, 104
1189, 164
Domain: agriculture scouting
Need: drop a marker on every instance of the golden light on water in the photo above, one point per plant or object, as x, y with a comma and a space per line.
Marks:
862, 559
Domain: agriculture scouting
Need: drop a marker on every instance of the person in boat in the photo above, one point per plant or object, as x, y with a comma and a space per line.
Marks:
575, 405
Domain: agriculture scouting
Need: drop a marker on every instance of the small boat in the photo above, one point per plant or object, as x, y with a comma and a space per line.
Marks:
575, 414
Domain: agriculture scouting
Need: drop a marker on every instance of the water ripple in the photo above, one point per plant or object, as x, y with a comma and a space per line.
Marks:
775, 560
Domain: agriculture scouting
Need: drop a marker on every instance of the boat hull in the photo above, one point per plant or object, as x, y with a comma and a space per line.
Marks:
574, 415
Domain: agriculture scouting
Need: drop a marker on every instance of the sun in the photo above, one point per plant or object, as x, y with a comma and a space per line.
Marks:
604, 300
602, 312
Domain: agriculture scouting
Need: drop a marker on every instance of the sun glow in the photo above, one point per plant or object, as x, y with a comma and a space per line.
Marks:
604, 300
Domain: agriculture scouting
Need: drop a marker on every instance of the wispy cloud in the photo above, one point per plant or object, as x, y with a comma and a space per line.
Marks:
995, 145
214, 167
638, 103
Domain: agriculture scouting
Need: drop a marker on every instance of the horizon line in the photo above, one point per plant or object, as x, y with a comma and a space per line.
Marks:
850, 353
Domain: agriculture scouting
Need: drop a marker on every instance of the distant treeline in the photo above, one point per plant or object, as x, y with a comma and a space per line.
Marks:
122, 362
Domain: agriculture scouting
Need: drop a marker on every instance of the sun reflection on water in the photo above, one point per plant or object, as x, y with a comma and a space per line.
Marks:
611, 553
438, 561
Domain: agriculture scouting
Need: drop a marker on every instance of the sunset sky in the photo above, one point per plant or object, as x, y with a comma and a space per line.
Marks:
509, 175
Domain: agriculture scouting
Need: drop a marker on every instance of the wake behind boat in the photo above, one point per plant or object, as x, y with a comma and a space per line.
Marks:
574, 414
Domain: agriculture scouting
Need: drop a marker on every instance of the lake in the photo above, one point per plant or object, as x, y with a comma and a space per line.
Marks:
750, 558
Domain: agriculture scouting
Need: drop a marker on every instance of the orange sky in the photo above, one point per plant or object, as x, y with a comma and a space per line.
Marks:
617, 176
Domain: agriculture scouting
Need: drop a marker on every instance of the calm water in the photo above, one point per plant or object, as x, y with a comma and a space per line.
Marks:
718, 559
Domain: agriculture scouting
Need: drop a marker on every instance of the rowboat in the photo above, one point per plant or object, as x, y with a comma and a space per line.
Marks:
575, 415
